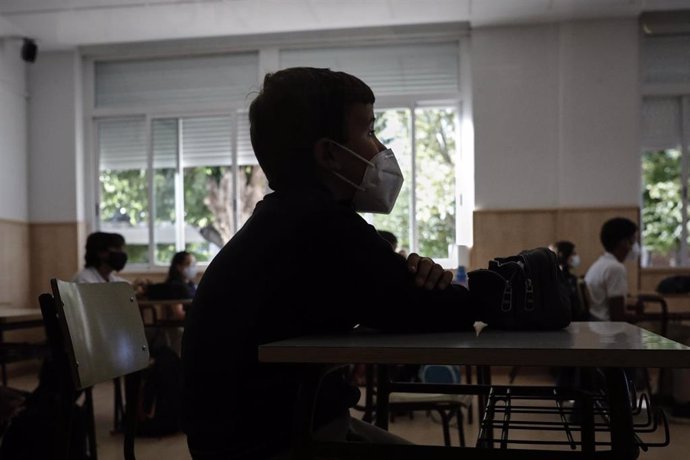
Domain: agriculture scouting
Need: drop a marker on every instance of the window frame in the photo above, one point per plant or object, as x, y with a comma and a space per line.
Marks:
268, 48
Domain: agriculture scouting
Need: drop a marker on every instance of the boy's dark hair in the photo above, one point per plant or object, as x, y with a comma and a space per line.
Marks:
615, 230
98, 242
294, 109
177, 259
564, 249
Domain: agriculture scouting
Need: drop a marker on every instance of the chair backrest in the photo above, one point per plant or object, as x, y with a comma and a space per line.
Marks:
102, 330
583, 294
437, 373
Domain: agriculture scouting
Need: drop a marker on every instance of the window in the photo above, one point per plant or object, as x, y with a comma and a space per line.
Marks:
424, 215
665, 173
175, 164
665, 151
176, 168
191, 174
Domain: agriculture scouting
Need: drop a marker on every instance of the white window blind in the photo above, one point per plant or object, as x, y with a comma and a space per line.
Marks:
206, 141
245, 152
389, 70
165, 143
122, 144
226, 79
661, 123
666, 60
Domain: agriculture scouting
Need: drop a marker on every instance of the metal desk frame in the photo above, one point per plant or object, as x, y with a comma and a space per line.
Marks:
611, 346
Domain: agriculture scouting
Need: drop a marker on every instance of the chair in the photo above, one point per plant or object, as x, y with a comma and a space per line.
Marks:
96, 334
583, 295
446, 405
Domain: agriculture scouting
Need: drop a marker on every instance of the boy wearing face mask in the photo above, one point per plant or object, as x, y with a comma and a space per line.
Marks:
304, 263
607, 278
104, 257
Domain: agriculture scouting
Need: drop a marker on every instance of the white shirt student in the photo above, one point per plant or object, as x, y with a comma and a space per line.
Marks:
607, 278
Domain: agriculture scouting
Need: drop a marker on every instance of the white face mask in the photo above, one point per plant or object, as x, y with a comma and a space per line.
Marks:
190, 272
634, 253
380, 185
574, 261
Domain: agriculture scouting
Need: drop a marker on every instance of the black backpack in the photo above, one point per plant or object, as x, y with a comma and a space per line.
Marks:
525, 291
33, 432
161, 401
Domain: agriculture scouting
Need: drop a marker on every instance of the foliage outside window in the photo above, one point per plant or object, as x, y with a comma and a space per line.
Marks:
433, 222
662, 207
192, 207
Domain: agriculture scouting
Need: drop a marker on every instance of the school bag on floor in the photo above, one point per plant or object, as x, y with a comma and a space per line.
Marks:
522, 292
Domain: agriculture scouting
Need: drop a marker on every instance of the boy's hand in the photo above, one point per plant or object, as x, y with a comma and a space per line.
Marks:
429, 274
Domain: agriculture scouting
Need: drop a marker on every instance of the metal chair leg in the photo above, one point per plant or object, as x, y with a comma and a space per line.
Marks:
446, 426
461, 430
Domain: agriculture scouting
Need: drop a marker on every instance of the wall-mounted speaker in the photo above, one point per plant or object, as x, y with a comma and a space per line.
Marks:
29, 50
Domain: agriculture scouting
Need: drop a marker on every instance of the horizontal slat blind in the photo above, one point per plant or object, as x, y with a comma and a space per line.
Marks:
666, 60
122, 143
204, 80
661, 123
389, 69
245, 152
206, 141
165, 140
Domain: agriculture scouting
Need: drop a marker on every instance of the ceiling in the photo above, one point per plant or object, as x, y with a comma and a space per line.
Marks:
61, 24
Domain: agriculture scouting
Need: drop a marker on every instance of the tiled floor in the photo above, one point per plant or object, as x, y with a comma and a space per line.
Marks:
421, 429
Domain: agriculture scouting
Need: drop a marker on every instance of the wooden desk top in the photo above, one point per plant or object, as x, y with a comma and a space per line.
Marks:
582, 344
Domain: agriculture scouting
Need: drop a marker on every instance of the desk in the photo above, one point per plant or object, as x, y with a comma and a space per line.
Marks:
12, 318
608, 345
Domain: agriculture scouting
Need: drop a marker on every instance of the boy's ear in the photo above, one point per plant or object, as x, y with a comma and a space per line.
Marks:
324, 155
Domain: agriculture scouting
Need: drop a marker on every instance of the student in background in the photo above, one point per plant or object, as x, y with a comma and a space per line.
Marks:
105, 255
607, 278
182, 272
304, 263
392, 240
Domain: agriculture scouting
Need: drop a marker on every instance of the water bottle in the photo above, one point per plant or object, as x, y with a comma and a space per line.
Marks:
461, 276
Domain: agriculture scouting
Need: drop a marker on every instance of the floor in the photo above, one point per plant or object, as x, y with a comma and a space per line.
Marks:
421, 429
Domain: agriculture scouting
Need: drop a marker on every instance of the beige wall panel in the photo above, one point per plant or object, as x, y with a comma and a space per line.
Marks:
55, 251
504, 233
14, 264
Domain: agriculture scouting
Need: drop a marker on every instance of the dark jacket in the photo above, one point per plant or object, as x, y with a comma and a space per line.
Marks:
302, 264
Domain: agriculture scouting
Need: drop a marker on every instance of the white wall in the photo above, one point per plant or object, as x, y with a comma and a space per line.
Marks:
13, 164
55, 138
556, 115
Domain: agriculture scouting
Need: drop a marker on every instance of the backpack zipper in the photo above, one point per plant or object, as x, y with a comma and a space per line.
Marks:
529, 295
507, 303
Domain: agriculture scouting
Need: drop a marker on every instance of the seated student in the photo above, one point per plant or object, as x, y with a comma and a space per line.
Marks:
607, 278
182, 272
178, 285
304, 263
104, 256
